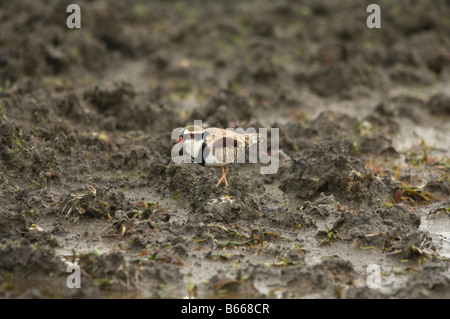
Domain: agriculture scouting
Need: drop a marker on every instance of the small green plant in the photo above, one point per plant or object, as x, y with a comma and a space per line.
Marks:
18, 141
355, 148
330, 235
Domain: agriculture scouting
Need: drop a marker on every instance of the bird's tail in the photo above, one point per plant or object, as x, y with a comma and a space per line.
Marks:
253, 138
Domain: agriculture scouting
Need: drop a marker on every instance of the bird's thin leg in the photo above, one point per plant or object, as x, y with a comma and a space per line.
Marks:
223, 176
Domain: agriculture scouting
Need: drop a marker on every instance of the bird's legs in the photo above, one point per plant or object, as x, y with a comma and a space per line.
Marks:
224, 176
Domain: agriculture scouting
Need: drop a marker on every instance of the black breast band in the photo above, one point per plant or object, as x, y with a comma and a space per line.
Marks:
204, 154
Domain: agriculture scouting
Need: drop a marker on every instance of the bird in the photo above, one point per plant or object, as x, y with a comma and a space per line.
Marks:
216, 146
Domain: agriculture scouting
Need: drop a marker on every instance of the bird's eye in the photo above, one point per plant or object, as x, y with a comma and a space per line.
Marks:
192, 135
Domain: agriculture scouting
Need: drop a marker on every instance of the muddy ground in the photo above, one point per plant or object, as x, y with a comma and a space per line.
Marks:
86, 175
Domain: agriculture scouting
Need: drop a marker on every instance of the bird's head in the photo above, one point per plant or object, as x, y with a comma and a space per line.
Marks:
192, 137
191, 133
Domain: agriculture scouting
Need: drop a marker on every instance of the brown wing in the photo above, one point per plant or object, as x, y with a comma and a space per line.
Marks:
227, 148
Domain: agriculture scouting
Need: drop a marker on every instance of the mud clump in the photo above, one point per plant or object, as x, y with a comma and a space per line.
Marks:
322, 169
211, 203
110, 268
130, 159
324, 208
91, 203
439, 104
357, 225
112, 99
393, 230
118, 105
219, 284
197, 184
324, 81
12, 225
340, 80
286, 219
335, 269
431, 283
112, 272
24, 260
225, 109
410, 76
323, 278
227, 209
360, 137
439, 189
7, 133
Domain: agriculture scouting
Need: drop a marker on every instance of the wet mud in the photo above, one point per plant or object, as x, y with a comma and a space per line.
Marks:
87, 179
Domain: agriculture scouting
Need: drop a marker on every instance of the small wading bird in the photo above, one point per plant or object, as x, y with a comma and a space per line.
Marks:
216, 147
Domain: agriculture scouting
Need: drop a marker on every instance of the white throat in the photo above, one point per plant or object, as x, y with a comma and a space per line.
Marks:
193, 147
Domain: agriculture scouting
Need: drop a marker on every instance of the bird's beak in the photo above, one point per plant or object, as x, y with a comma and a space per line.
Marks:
180, 140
